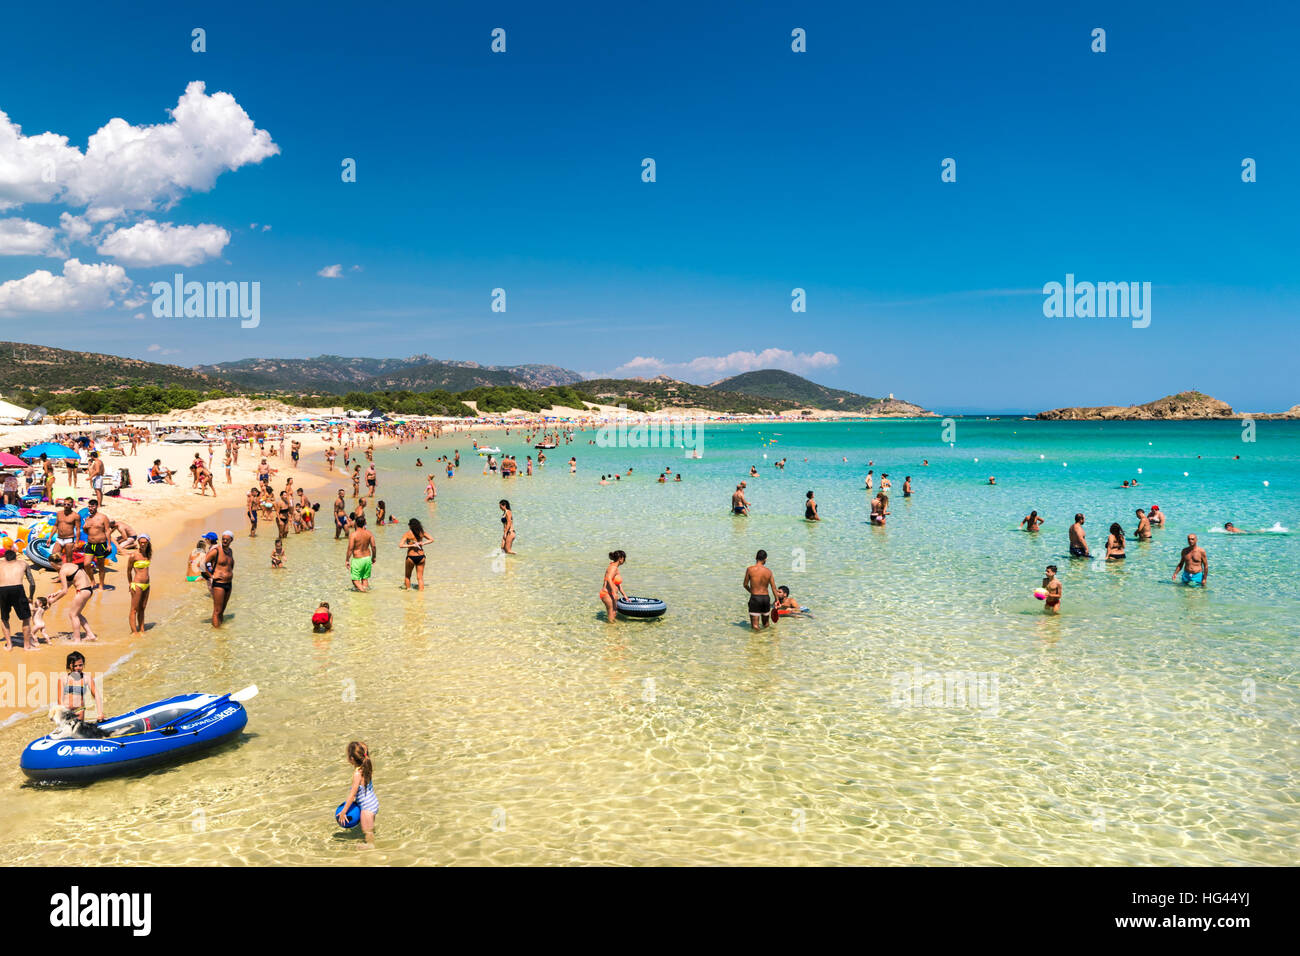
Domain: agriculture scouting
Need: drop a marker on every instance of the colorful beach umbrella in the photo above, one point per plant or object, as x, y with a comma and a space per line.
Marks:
11, 461
50, 449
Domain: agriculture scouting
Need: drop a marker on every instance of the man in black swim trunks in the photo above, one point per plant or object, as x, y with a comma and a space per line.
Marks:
1078, 541
220, 562
739, 506
14, 598
340, 515
759, 582
97, 531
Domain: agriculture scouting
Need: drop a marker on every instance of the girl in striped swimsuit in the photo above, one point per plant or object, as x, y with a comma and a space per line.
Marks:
362, 791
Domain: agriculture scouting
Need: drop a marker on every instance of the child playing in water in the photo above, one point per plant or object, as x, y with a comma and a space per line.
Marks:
362, 792
322, 620
75, 685
277, 555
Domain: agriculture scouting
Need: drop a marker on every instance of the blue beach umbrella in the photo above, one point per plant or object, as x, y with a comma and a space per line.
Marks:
50, 449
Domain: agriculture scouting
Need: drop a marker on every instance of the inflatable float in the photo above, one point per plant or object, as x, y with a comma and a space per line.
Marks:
640, 607
157, 733
488, 451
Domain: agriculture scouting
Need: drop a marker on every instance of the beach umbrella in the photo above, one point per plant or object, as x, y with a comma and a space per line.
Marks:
50, 449
11, 461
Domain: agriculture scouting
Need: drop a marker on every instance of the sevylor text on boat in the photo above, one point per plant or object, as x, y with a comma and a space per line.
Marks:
161, 732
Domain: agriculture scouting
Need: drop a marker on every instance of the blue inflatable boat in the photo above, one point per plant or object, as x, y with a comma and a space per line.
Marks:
161, 732
38, 551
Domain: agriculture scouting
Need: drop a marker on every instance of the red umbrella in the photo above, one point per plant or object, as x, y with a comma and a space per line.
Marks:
11, 461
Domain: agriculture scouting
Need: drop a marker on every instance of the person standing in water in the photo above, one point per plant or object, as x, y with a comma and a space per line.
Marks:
739, 506
1052, 585
1115, 543
907, 487
360, 554
1143, 532
340, 515
1194, 564
414, 541
611, 588
1078, 540
879, 508
220, 562
507, 526
759, 582
1031, 521
810, 508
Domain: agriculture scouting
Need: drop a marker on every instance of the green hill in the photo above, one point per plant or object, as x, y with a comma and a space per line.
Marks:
784, 386
337, 374
39, 368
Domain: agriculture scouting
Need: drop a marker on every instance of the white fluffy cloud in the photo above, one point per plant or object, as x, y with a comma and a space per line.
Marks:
127, 167
332, 272
21, 237
714, 367
75, 227
152, 243
81, 286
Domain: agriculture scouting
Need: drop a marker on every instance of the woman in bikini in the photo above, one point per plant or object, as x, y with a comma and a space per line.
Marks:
75, 578
507, 526
414, 541
1115, 543
137, 577
611, 588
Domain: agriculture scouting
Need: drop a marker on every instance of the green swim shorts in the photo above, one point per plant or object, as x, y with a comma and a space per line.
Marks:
360, 569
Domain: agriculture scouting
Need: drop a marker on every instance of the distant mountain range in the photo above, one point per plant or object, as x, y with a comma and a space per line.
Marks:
336, 374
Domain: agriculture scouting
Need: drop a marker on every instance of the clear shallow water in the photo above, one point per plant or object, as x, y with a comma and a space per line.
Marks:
1148, 724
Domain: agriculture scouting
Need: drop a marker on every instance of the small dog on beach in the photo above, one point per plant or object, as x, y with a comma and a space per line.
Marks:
69, 726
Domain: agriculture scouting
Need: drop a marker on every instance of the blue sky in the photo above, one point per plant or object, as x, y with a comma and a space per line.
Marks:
775, 170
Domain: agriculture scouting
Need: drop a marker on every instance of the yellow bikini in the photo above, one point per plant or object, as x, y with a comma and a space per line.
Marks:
142, 585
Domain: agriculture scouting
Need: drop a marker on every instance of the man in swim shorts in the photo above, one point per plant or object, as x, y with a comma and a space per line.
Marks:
1194, 564
67, 528
360, 554
759, 582
340, 515
1052, 585
13, 597
1078, 540
1144, 526
97, 529
96, 474
739, 506
221, 576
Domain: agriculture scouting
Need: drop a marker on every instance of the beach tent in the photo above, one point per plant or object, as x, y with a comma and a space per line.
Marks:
10, 410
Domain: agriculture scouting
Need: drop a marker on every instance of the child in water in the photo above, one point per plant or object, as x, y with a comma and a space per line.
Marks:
362, 792
277, 555
322, 620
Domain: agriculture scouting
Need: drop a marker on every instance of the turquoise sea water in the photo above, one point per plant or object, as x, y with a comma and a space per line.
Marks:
927, 712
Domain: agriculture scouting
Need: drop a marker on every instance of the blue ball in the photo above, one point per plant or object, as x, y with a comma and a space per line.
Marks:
352, 819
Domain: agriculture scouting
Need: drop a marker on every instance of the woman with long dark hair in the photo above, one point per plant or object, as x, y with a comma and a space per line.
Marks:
414, 541
507, 526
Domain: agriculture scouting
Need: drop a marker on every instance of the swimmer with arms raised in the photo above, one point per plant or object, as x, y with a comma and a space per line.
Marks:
1194, 564
1031, 521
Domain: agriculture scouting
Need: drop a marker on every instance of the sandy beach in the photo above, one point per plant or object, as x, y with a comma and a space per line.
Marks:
174, 516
